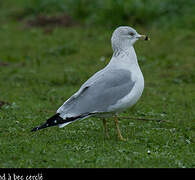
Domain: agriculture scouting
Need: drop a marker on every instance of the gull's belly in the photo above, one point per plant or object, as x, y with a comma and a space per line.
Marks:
130, 99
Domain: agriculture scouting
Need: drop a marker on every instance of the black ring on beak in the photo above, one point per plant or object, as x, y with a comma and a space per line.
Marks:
147, 38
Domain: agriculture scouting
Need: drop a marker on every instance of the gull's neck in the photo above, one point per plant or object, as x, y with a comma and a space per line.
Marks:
125, 56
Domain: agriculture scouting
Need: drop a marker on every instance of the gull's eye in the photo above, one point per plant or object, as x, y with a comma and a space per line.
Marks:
131, 34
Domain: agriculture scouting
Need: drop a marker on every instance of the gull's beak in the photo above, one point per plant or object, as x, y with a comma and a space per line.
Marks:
143, 37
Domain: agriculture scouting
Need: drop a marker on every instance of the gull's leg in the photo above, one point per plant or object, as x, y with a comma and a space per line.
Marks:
105, 128
117, 128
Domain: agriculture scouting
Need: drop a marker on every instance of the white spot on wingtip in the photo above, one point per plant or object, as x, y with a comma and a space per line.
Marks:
148, 152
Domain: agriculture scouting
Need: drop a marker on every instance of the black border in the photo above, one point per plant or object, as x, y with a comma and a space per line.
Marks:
92, 173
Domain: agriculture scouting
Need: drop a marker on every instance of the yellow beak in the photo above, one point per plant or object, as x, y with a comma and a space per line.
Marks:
144, 37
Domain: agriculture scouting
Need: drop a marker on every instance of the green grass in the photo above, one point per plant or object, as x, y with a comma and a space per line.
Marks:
39, 71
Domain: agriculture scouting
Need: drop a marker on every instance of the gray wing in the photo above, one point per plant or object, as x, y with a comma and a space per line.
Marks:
97, 94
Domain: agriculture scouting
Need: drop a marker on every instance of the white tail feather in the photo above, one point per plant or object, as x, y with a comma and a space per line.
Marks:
62, 125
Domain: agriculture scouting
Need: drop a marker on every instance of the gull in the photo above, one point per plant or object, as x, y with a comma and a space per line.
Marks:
116, 87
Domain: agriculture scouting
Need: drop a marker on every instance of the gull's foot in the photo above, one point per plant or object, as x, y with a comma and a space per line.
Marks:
121, 138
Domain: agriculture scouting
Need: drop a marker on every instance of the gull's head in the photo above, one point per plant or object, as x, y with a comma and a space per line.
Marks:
125, 36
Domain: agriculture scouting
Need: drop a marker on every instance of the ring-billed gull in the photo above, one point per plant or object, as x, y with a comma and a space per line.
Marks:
109, 91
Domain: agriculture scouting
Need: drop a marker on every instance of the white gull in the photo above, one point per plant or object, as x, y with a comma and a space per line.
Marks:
111, 90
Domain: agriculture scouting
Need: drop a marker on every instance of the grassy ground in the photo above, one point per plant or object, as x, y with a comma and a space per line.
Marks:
39, 71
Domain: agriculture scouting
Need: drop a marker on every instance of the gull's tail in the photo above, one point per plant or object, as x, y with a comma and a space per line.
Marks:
57, 120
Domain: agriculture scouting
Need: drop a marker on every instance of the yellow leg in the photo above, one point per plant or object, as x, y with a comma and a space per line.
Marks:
105, 128
117, 128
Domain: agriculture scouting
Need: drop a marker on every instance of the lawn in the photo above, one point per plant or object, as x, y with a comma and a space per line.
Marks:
41, 67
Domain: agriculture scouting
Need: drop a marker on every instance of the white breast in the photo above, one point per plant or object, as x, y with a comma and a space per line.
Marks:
136, 92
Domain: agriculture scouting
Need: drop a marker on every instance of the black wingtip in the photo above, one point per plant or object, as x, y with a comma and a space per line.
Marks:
52, 121
34, 129
56, 120
39, 127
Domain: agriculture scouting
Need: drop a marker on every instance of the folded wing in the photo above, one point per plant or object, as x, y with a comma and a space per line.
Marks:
97, 94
